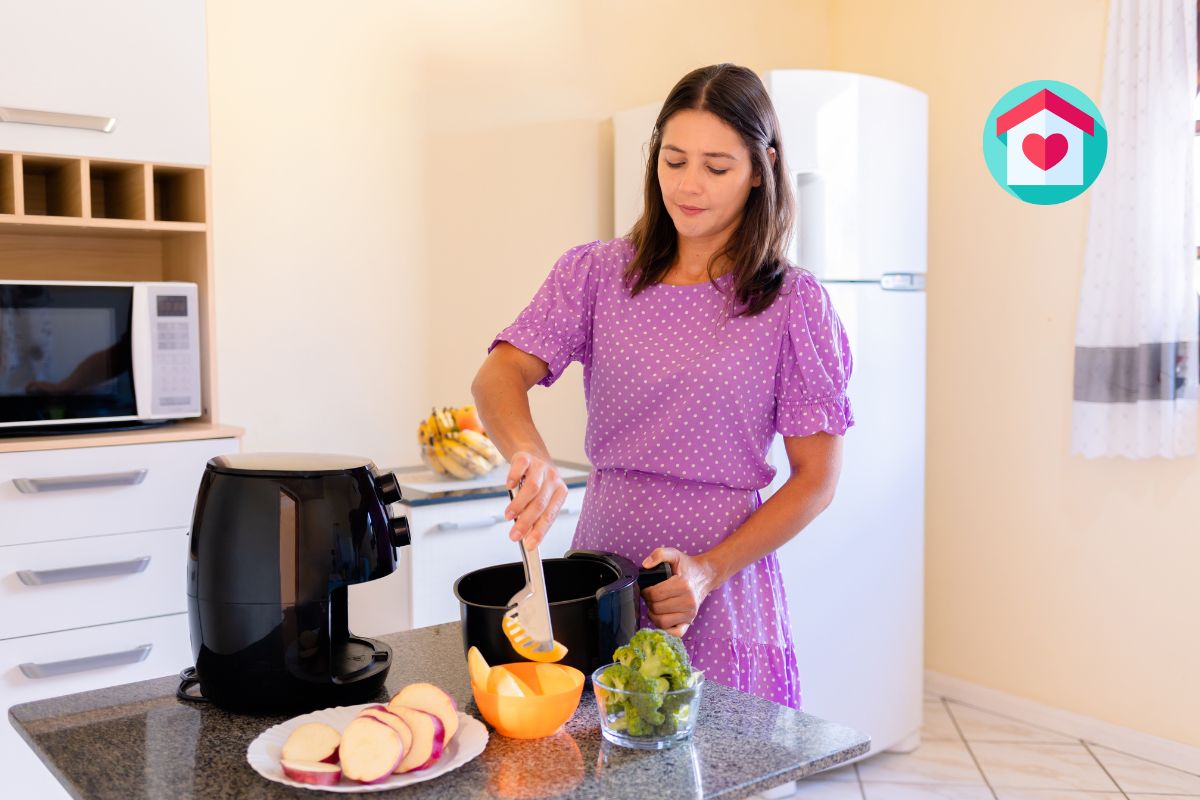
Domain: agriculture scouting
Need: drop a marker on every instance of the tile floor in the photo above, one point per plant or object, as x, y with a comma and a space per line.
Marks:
970, 754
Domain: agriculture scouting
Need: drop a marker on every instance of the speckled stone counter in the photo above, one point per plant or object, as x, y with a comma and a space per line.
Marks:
138, 740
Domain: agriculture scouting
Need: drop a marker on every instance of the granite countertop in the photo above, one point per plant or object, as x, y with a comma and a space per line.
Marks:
139, 741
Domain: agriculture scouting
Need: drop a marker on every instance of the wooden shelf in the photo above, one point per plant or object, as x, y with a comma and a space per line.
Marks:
8, 185
64, 226
179, 194
77, 219
118, 190
179, 432
52, 186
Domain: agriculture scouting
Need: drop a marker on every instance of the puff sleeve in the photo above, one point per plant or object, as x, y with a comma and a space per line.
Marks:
556, 326
814, 366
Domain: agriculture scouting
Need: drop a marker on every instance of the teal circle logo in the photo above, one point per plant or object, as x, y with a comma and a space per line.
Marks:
1045, 142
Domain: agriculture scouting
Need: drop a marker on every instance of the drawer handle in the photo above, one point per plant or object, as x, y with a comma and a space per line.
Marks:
40, 577
52, 669
58, 119
478, 522
487, 522
69, 482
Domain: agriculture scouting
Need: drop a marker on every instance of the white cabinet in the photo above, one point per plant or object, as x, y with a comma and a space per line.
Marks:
142, 62
449, 539
49, 495
79, 582
93, 571
53, 664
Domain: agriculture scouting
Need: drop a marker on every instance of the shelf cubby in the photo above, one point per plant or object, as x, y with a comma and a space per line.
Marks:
8, 184
53, 186
118, 190
179, 194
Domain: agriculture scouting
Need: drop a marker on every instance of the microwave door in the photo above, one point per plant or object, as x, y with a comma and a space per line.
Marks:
65, 354
143, 354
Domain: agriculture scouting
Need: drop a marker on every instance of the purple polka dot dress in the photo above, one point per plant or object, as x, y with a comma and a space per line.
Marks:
683, 402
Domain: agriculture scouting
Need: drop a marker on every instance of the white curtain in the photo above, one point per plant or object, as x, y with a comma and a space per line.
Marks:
1136, 334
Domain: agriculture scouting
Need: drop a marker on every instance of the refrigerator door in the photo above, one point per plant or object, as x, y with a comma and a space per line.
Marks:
631, 146
855, 576
857, 149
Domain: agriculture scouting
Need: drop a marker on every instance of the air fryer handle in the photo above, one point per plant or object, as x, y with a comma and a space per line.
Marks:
654, 576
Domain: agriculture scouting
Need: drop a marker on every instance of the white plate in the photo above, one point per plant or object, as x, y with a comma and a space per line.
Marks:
263, 753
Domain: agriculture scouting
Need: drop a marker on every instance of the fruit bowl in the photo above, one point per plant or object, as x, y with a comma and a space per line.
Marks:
624, 715
454, 443
529, 700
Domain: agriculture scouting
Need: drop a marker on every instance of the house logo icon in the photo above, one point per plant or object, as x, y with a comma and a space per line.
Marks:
1045, 142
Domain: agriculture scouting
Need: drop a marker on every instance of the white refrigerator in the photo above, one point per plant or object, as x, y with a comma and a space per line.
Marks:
857, 150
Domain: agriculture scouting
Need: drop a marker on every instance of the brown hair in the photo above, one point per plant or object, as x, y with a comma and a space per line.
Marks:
736, 96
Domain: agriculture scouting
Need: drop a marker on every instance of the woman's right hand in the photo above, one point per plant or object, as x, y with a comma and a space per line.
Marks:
536, 503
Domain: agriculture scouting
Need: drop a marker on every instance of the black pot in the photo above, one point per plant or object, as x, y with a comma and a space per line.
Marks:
593, 596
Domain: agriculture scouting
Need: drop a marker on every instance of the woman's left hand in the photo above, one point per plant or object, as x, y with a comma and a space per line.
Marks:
674, 603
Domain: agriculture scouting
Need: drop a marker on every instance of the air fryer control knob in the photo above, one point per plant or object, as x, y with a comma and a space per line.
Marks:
388, 488
401, 536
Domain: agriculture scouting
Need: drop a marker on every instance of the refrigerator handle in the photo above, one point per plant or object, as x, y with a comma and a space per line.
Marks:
902, 282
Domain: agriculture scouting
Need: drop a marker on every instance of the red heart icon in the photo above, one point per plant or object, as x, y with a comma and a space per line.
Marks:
1044, 152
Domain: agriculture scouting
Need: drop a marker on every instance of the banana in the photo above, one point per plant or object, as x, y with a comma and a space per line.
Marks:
452, 466
448, 449
480, 444
468, 458
431, 461
446, 420
434, 424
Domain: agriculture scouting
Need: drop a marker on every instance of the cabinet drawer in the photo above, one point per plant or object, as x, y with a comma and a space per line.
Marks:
52, 664
51, 586
448, 540
451, 539
25, 774
89, 491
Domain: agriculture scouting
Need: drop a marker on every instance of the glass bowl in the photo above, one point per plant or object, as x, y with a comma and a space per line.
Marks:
647, 720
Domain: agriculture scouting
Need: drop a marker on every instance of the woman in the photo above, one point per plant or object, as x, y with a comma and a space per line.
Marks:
698, 343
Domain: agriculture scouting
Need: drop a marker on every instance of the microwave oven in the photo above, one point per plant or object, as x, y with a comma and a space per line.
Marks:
97, 354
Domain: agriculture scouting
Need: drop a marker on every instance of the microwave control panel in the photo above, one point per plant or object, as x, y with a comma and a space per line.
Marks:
175, 339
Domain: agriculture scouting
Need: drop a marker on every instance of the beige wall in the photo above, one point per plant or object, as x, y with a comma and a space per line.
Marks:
1068, 581
393, 180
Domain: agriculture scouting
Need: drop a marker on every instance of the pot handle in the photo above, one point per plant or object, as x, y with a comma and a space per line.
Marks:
653, 576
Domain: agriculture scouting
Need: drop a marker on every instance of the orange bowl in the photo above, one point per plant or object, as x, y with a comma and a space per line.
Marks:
535, 715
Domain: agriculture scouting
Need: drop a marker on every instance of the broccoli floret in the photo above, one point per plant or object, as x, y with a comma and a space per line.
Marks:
637, 725
660, 654
628, 657
643, 703
637, 712
616, 676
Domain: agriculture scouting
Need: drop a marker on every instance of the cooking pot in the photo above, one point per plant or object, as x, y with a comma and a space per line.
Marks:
593, 596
